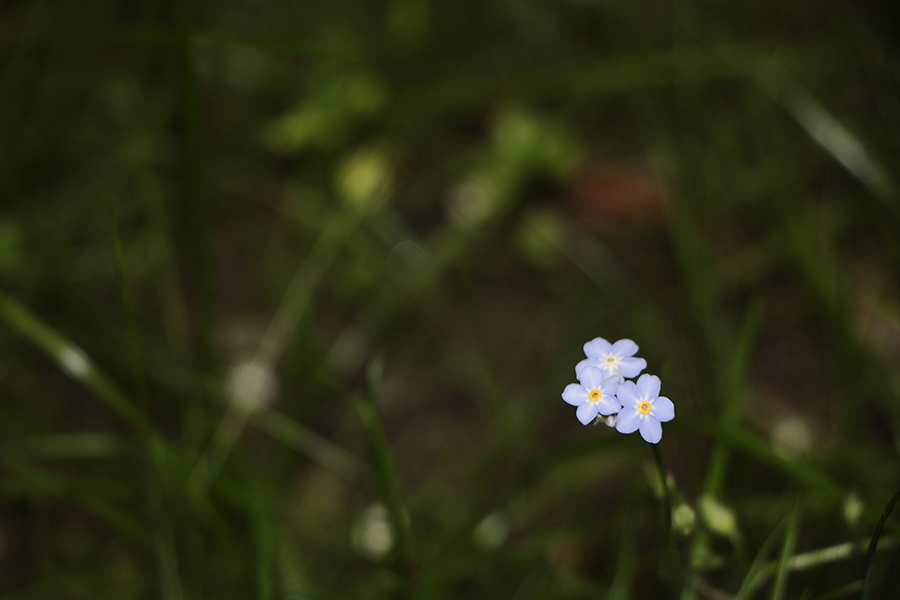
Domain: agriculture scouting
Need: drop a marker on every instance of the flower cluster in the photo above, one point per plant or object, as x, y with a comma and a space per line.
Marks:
604, 389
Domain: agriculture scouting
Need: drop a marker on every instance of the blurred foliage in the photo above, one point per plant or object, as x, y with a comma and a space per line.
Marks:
289, 293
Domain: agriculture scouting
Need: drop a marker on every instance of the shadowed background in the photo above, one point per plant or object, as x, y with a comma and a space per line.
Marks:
289, 293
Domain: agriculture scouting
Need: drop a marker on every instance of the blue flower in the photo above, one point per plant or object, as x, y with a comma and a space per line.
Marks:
593, 394
643, 408
612, 359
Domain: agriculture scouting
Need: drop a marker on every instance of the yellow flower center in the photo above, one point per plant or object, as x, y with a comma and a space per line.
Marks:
595, 395
610, 360
644, 407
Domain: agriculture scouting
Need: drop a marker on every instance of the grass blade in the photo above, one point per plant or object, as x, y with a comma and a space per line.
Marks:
754, 575
72, 360
873, 545
790, 540
386, 475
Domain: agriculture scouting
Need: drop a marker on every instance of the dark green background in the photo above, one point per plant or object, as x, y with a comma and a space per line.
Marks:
437, 203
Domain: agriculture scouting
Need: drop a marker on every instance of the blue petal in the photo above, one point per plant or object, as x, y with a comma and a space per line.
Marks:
663, 409
588, 362
610, 385
592, 378
628, 394
607, 371
628, 421
624, 348
575, 395
651, 430
596, 348
586, 413
608, 405
649, 386
631, 367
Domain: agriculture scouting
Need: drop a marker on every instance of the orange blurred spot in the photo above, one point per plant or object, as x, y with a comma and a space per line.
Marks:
601, 195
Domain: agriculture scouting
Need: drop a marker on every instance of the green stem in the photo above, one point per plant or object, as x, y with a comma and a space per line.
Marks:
386, 475
132, 335
193, 213
667, 497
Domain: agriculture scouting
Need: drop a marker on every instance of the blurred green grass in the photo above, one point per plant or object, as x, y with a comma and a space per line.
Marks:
282, 284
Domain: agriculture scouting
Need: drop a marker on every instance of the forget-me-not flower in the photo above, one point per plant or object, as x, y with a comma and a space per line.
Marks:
643, 408
594, 394
612, 359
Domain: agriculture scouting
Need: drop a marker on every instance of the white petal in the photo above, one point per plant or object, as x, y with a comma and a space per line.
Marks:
628, 421
575, 394
628, 394
631, 367
651, 430
649, 386
586, 413
663, 409
624, 348
596, 348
